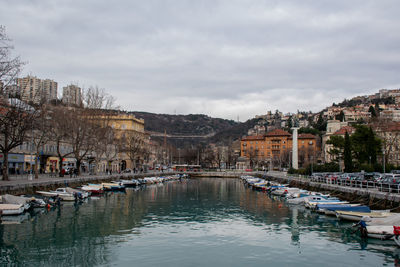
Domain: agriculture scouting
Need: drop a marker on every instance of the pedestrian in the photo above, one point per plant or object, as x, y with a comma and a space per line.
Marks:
51, 171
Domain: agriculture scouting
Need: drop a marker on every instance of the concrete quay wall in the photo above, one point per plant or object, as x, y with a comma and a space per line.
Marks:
31, 186
368, 196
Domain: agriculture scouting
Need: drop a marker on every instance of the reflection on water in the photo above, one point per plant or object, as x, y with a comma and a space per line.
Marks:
196, 222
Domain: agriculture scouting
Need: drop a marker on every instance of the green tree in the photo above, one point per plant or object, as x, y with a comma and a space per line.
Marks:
377, 109
348, 161
337, 143
372, 111
321, 123
340, 116
365, 144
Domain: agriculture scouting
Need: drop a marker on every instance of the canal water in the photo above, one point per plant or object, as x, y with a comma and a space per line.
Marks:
197, 222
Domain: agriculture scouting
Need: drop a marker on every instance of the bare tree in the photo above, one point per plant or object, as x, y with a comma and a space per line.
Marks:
96, 98
16, 120
61, 119
83, 135
133, 143
107, 146
9, 66
41, 133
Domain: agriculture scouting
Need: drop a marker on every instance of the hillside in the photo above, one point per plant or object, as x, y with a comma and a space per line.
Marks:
233, 133
192, 124
220, 131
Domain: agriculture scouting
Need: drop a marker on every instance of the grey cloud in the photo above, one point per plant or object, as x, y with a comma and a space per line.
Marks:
212, 57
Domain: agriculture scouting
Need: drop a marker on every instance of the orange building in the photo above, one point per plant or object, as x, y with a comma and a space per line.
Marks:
274, 148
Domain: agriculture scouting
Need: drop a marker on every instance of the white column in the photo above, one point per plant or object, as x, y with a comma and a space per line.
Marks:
295, 158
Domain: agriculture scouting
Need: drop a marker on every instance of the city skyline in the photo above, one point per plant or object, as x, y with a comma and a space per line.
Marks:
224, 59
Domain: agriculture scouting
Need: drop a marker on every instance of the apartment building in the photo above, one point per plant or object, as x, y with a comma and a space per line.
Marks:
33, 89
72, 95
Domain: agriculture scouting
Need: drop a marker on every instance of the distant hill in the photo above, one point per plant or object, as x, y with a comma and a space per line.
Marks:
233, 133
205, 128
192, 124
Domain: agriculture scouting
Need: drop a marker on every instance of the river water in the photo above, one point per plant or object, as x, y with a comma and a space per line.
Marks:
197, 222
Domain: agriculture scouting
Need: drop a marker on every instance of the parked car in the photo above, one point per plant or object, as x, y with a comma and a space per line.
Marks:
390, 183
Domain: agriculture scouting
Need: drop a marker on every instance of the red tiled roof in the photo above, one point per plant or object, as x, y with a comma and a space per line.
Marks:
344, 129
278, 132
252, 137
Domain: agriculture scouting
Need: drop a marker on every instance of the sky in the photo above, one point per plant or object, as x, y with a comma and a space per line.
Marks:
229, 59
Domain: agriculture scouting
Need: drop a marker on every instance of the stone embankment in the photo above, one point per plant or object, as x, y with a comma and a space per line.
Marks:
25, 186
369, 196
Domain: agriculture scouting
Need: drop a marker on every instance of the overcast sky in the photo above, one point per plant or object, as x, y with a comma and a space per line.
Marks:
221, 58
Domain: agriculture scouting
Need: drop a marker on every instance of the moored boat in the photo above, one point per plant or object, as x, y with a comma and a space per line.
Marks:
59, 192
357, 216
11, 209
113, 186
93, 188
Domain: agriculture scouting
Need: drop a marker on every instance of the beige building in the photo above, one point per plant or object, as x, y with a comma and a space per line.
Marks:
72, 95
37, 90
331, 128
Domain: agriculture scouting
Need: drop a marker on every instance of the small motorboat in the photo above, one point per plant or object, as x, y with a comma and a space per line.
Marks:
12, 209
330, 209
11, 199
79, 193
357, 216
128, 183
59, 192
382, 232
93, 188
113, 186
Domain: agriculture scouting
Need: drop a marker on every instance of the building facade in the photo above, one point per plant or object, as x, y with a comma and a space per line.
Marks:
33, 89
274, 149
72, 95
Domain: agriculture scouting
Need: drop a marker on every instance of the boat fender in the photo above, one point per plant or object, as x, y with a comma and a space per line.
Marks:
396, 230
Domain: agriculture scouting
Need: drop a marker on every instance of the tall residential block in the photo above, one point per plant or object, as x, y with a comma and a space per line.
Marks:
37, 90
72, 95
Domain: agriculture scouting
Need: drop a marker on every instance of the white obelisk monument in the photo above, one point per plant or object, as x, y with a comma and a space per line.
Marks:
295, 149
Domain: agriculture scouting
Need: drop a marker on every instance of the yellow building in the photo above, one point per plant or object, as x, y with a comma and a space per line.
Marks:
132, 142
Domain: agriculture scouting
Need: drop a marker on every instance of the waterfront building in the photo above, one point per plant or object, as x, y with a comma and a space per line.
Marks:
389, 132
72, 95
33, 89
331, 128
328, 147
133, 142
274, 149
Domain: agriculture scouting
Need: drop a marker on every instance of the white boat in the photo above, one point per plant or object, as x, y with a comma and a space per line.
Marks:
80, 193
392, 219
312, 201
302, 197
10, 199
357, 216
113, 186
285, 190
380, 231
93, 188
59, 192
12, 209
